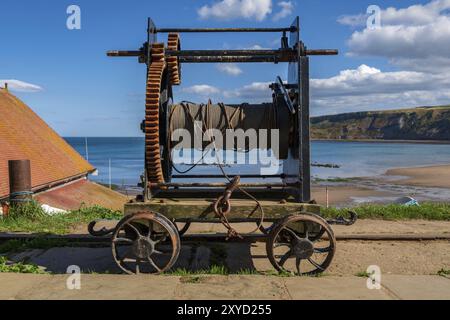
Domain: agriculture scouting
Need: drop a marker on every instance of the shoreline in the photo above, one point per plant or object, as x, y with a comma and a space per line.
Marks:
446, 142
312, 140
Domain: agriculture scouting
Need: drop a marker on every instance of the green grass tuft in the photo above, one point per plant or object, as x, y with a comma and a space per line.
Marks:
363, 274
30, 210
248, 272
27, 220
219, 270
20, 267
213, 270
426, 211
444, 272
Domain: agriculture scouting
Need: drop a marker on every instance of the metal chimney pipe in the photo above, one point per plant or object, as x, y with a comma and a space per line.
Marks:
19, 181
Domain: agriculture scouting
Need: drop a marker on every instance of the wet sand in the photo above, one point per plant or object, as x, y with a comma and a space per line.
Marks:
421, 182
433, 176
339, 195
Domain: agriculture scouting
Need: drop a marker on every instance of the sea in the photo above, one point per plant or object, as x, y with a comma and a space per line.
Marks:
120, 161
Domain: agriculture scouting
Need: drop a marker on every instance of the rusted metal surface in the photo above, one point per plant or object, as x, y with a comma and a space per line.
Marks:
19, 181
222, 207
124, 53
304, 238
192, 56
159, 205
158, 166
224, 185
233, 53
146, 242
206, 30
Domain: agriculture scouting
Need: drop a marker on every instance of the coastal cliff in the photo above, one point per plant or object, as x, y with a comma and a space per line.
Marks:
424, 123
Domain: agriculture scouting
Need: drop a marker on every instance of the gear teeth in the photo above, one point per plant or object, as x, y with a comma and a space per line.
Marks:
153, 89
173, 43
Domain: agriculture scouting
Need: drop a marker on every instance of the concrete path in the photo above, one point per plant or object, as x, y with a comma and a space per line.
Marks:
111, 287
352, 257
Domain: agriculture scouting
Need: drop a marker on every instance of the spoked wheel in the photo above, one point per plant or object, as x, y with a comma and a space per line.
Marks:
145, 243
301, 244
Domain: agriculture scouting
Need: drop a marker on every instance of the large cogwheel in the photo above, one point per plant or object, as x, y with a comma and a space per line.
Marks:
152, 106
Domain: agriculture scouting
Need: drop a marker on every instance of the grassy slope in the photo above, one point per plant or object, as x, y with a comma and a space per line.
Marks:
425, 123
32, 219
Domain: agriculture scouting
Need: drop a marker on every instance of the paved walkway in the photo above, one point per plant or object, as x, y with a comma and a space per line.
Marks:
238, 287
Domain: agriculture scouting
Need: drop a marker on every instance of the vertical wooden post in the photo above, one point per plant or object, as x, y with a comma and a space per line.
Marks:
110, 184
305, 130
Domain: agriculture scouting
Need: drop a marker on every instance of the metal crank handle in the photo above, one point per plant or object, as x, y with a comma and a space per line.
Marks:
341, 221
99, 233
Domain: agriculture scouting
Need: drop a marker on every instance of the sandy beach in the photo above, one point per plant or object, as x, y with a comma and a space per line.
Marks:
393, 184
434, 176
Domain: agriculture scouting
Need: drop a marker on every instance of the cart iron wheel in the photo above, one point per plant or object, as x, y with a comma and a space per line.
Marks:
145, 243
301, 244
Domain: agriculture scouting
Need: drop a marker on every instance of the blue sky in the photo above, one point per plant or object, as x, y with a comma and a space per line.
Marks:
81, 92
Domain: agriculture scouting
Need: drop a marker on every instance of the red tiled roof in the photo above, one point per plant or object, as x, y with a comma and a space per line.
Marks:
24, 135
82, 192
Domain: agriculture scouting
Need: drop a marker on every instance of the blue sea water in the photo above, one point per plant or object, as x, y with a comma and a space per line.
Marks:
356, 159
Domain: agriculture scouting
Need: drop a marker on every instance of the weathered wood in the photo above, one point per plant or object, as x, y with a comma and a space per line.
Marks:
203, 209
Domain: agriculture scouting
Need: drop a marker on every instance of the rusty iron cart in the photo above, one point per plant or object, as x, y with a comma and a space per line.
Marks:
298, 240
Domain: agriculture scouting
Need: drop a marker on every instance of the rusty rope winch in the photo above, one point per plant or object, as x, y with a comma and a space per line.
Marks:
150, 224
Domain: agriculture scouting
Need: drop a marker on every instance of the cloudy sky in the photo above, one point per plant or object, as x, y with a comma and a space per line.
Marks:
64, 75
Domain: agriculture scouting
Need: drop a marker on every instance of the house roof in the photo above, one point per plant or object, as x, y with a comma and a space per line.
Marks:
24, 135
82, 192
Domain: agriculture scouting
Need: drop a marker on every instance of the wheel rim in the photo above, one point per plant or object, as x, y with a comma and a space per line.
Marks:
300, 251
145, 243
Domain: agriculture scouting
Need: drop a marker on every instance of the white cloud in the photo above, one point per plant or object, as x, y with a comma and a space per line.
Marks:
414, 15
230, 69
360, 89
416, 37
367, 88
201, 89
367, 80
235, 9
256, 47
356, 20
286, 9
254, 93
403, 41
20, 86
